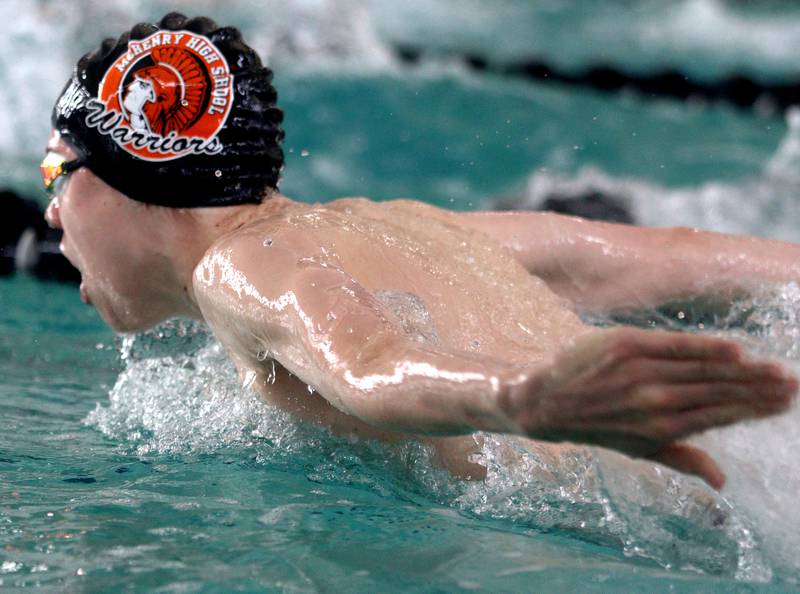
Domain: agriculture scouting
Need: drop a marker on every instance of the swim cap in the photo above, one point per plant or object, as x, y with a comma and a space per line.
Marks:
179, 114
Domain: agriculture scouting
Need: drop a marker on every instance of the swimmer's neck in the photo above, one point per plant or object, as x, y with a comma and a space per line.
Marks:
194, 231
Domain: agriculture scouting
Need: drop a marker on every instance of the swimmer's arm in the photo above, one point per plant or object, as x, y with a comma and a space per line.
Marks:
605, 266
329, 331
620, 388
636, 391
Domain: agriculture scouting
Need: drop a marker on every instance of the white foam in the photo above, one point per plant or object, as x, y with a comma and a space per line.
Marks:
179, 394
186, 401
750, 530
321, 34
734, 38
39, 52
765, 204
645, 510
759, 458
708, 38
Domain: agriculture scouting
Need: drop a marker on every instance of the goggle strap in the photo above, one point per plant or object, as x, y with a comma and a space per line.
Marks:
71, 166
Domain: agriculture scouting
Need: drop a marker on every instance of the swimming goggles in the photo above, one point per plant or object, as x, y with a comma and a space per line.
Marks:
55, 168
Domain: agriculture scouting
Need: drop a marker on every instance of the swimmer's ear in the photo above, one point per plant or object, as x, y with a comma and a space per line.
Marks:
691, 460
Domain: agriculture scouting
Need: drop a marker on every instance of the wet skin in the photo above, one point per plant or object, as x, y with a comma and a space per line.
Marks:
302, 286
411, 321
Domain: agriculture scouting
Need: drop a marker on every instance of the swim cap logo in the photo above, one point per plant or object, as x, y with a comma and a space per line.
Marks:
168, 96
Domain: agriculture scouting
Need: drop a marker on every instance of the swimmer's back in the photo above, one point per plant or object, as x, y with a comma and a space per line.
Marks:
466, 289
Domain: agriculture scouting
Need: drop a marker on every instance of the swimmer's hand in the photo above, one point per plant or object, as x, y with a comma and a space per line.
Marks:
641, 391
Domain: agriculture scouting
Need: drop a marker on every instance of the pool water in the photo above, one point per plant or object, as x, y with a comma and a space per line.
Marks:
140, 463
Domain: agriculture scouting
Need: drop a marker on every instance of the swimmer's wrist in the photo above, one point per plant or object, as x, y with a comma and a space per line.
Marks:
498, 413
518, 408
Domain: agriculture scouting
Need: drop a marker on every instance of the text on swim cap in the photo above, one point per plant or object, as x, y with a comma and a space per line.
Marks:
110, 123
167, 96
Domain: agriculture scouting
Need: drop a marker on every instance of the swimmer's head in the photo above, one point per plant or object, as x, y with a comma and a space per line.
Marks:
168, 119
123, 248
181, 113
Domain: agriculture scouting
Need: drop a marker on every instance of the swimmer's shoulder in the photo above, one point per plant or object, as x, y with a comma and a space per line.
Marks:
256, 261
394, 207
241, 285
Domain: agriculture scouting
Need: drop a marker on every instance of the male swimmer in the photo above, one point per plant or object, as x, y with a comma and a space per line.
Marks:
407, 320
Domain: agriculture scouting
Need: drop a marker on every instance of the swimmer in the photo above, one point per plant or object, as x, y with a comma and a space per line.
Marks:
405, 321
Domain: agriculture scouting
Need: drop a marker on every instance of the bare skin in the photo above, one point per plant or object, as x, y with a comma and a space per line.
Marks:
410, 321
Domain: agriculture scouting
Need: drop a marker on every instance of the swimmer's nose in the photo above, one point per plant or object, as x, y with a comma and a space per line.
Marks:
51, 215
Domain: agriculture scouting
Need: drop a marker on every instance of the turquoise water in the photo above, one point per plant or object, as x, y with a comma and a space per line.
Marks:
140, 464
180, 484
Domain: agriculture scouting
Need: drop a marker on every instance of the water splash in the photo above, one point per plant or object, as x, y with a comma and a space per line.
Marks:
751, 206
759, 457
749, 530
180, 393
190, 401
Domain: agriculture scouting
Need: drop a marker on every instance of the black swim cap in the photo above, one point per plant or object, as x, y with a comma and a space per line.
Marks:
179, 114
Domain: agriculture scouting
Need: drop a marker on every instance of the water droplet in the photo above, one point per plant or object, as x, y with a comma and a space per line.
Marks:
10, 567
184, 102
304, 153
681, 315
310, 389
218, 173
248, 380
268, 242
331, 316
80, 571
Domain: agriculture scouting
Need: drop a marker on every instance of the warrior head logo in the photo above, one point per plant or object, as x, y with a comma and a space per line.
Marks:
139, 92
166, 97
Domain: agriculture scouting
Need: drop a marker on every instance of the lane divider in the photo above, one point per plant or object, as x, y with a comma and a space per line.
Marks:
740, 90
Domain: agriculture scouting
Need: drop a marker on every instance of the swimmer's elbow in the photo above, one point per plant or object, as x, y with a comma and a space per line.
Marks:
374, 386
